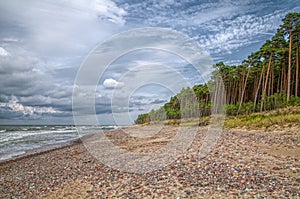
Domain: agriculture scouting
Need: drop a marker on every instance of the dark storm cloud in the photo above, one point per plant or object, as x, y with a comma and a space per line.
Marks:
103, 109
7, 113
137, 103
19, 77
158, 101
103, 105
42, 44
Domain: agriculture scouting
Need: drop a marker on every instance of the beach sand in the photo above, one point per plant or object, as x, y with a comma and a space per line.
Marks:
243, 164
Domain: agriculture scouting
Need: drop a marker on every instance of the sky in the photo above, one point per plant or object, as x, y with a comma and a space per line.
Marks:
43, 45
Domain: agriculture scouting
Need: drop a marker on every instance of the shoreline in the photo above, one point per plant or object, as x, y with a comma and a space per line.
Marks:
49, 148
20, 140
41, 150
242, 164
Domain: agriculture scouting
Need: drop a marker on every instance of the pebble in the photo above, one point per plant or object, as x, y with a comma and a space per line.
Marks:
235, 168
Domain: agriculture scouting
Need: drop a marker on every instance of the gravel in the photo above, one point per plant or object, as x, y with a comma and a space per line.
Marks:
243, 164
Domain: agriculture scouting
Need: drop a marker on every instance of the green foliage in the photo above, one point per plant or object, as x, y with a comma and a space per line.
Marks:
142, 119
173, 108
294, 101
263, 82
231, 109
247, 108
264, 120
274, 101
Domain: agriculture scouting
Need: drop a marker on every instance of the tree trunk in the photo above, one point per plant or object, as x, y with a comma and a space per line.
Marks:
270, 82
243, 91
266, 83
234, 91
282, 79
258, 87
290, 68
273, 80
255, 83
228, 91
285, 78
297, 70
278, 84
216, 94
241, 85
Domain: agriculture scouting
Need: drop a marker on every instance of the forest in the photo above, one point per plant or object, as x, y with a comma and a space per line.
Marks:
268, 79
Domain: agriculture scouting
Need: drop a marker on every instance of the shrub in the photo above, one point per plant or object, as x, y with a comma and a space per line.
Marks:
247, 108
231, 109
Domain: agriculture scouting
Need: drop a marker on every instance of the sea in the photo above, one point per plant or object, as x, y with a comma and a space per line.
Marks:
20, 140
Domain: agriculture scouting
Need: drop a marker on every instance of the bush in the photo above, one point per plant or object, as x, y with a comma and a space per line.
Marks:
247, 108
142, 119
294, 101
231, 109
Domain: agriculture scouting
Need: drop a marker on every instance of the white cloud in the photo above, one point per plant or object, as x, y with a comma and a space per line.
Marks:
111, 83
233, 33
3, 52
109, 10
15, 106
221, 27
59, 29
10, 39
47, 41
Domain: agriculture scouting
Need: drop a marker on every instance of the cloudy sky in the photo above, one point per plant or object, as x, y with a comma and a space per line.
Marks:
44, 43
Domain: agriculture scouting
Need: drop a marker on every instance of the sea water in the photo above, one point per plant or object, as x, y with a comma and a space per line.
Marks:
17, 140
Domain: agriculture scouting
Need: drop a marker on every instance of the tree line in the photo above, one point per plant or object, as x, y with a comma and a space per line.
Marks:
268, 79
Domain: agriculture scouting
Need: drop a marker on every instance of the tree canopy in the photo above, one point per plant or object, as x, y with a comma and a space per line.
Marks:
266, 80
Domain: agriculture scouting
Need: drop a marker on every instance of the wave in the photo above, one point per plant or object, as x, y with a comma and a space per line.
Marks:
14, 140
11, 155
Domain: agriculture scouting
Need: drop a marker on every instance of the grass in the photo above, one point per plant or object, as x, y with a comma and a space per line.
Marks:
282, 117
285, 117
203, 121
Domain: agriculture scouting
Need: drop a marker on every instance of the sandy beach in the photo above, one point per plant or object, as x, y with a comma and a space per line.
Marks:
243, 164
